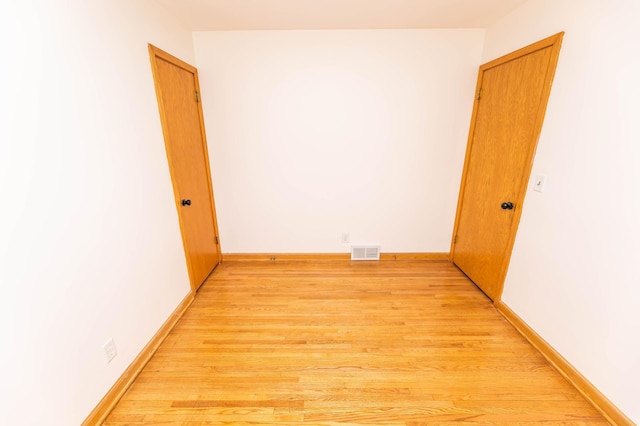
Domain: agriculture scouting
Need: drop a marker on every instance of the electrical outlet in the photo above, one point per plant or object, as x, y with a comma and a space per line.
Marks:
345, 238
110, 350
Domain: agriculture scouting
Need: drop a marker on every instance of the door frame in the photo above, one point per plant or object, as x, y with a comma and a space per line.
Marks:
154, 53
555, 42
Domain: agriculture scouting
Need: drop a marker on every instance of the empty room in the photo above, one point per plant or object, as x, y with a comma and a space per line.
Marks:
325, 212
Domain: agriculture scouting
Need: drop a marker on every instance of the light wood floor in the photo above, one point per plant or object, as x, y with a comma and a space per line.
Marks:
401, 343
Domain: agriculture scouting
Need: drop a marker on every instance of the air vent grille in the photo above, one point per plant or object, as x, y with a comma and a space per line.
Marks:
365, 252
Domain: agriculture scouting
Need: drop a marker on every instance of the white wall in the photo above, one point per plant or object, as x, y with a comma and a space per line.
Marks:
573, 276
315, 133
89, 240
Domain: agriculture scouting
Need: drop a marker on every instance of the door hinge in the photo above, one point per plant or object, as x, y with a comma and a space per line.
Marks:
455, 239
479, 94
197, 96
217, 240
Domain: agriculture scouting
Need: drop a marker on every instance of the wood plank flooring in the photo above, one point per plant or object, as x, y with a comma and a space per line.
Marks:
338, 343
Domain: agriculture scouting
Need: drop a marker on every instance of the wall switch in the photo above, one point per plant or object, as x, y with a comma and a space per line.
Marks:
345, 238
110, 350
538, 183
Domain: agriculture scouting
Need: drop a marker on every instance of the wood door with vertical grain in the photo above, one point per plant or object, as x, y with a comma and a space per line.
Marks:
511, 101
178, 94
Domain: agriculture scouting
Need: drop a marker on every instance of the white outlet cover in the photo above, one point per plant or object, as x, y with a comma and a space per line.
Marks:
538, 183
110, 350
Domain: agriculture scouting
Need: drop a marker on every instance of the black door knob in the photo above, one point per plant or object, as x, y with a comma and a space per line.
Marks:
186, 202
507, 206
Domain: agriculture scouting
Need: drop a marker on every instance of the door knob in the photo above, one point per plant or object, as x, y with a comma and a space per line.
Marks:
507, 206
186, 202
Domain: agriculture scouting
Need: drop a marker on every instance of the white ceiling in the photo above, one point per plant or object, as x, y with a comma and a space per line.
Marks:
212, 15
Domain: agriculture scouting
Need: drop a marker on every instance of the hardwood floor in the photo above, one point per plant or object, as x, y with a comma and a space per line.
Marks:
399, 343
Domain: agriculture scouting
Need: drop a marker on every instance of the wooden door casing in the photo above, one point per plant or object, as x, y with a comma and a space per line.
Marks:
177, 90
512, 95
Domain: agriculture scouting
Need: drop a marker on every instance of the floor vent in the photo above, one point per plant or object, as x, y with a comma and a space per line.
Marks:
365, 252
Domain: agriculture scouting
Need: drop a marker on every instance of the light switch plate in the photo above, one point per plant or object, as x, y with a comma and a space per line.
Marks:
538, 183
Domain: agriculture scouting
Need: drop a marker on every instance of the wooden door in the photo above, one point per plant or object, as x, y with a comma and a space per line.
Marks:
511, 100
178, 91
